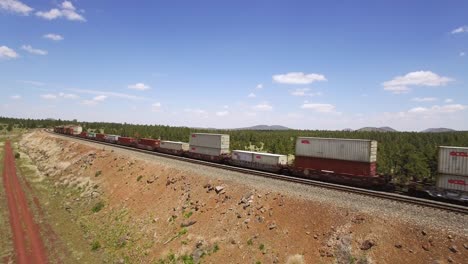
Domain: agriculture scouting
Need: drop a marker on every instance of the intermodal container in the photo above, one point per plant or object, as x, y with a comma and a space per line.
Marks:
360, 150
84, 134
242, 155
208, 151
91, 135
101, 137
149, 142
76, 130
357, 168
112, 138
219, 141
127, 141
453, 160
452, 182
174, 145
269, 158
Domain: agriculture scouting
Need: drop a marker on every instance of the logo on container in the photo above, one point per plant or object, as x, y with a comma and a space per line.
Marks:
194, 135
457, 182
258, 157
459, 154
305, 141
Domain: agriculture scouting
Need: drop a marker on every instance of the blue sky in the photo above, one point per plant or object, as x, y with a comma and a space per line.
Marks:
227, 64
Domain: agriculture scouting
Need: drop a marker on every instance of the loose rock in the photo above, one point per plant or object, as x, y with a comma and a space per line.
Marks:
367, 244
218, 189
453, 248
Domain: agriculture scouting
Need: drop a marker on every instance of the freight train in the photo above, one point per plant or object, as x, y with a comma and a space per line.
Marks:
346, 161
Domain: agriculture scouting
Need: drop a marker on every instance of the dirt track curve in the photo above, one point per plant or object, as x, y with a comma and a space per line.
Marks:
27, 241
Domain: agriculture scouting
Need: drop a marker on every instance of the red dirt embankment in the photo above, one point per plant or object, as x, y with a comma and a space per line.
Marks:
28, 245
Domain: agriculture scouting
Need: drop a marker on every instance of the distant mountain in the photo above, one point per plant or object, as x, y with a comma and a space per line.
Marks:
377, 129
438, 130
264, 127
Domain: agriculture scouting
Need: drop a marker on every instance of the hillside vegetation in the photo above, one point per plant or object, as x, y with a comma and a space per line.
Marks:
404, 155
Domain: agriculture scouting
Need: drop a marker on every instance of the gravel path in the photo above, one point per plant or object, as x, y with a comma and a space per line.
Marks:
407, 213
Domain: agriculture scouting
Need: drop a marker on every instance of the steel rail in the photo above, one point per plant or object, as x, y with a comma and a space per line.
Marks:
459, 209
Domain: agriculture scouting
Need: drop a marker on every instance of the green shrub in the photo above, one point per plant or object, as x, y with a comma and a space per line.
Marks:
95, 245
98, 173
97, 207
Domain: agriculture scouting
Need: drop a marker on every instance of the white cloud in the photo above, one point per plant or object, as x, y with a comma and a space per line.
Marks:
55, 37
195, 111
139, 86
462, 54
15, 6
263, 107
436, 109
110, 94
222, 113
32, 50
95, 100
15, 97
156, 107
462, 29
304, 92
48, 96
68, 5
424, 99
401, 84
259, 86
7, 53
65, 10
251, 95
68, 96
322, 108
448, 100
32, 83
298, 78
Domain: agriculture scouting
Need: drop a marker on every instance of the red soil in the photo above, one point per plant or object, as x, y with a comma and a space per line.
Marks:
28, 245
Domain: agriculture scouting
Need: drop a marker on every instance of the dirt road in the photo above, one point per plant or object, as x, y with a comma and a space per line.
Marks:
27, 241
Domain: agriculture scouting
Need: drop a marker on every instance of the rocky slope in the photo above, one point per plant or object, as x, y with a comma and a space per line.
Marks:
133, 208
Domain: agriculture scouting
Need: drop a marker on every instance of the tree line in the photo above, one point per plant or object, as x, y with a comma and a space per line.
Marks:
404, 155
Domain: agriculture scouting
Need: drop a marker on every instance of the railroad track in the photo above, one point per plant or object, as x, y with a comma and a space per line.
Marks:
459, 209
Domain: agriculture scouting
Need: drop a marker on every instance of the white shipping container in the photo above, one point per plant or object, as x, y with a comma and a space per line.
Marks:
220, 141
452, 182
270, 159
453, 160
174, 145
337, 148
242, 155
112, 137
208, 151
77, 130
91, 135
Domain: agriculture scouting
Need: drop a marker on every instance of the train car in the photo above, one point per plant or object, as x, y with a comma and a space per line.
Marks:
173, 147
91, 135
452, 178
111, 138
100, 137
259, 160
210, 147
83, 134
148, 143
348, 161
127, 141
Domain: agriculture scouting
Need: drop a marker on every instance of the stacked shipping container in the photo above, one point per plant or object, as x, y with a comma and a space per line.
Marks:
343, 156
453, 169
209, 145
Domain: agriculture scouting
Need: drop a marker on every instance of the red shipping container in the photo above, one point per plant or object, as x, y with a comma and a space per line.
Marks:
101, 137
337, 166
83, 134
127, 141
153, 143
